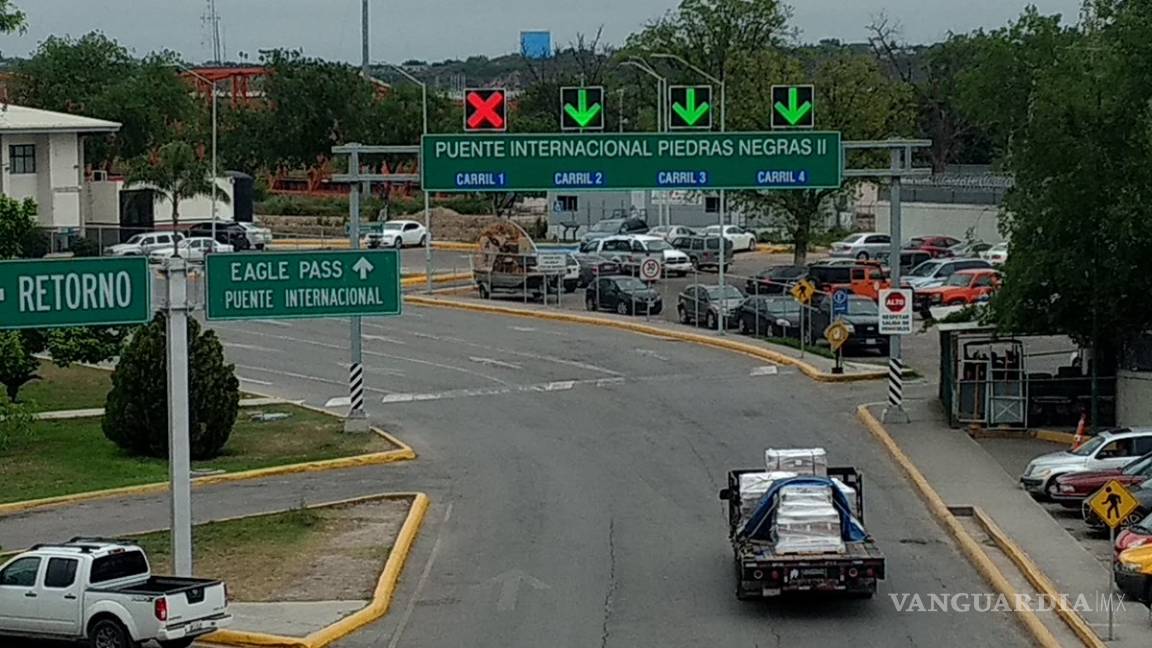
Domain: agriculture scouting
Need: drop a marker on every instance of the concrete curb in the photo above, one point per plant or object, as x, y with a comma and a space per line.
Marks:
381, 599
694, 338
420, 280
1038, 578
64, 415
967, 544
455, 246
404, 452
1055, 437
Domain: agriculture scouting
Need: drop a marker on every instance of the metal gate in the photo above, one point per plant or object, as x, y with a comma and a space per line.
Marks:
991, 386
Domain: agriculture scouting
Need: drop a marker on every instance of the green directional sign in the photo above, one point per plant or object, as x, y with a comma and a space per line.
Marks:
691, 107
793, 106
296, 285
582, 108
631, 161
75, 292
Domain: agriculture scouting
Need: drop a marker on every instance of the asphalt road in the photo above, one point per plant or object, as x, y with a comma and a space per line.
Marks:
574, 473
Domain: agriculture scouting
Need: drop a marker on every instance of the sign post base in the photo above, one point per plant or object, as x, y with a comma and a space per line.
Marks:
356, 423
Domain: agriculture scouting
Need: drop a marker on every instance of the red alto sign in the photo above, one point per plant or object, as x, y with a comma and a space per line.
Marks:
895, 302
485, 110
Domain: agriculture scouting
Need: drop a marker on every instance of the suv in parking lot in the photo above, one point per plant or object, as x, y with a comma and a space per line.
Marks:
616, 227
704, 251
700, 304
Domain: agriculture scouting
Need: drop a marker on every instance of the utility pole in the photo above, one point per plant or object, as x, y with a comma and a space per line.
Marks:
179, 450
364, 41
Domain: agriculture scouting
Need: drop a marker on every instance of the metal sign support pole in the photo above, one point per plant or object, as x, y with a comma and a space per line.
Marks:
1111, 586
895, 356
357, 420
179, 450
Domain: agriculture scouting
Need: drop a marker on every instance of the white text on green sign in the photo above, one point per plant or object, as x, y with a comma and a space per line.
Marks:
74, 292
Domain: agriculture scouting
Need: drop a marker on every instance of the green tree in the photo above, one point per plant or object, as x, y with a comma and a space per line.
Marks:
18, 227
177, 172
136, 410
17, 364
12, 20
15, 424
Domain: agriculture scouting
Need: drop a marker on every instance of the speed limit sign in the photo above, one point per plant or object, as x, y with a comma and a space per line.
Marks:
650, 269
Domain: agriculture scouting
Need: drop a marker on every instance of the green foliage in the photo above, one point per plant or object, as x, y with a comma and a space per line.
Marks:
85, 247
337, 206
12, 20
17, 364
136, 412
178, 172
98, 77
18, 228
15, 424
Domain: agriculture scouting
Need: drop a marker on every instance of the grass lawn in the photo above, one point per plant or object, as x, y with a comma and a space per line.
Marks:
73, 388
64, 457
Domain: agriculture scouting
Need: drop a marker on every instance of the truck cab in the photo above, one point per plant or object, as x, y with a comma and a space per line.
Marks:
866, 279
103, 591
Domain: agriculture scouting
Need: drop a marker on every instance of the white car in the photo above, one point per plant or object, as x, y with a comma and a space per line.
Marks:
863, 246
400, 233
258, 237
192, 249
996, 255
669, 232
143, 244
741, 239
629, 251
1109, 449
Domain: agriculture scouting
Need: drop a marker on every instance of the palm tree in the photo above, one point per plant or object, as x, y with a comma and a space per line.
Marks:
178, 173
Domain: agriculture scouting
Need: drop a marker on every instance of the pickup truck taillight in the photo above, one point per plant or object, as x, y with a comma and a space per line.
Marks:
161, 609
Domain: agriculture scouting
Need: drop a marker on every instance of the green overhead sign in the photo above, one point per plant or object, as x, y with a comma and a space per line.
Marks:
296, 285
74, 292
626, 161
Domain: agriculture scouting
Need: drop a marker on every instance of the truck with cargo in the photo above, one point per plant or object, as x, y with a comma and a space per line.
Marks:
104, 592
822, 547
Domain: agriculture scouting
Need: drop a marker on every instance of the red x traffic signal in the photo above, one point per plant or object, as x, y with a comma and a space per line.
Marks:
485, 110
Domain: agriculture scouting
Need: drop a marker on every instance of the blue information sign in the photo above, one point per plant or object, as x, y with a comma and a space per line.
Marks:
840, 303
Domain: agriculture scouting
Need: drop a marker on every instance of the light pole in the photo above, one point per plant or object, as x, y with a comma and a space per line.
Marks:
215, 138
723, 195
661, 106
427, 217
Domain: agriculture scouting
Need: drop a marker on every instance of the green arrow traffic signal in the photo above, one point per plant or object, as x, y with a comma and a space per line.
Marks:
690, 112
582, 113
793, 106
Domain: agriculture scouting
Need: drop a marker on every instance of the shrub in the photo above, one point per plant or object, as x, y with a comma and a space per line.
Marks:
17, 364
85, 247
15, 424
136, 411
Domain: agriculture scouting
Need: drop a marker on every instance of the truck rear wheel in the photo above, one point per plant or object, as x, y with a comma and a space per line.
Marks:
109, 633
741, 593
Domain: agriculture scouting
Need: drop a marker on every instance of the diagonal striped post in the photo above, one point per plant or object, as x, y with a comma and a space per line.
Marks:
895, 389
356, 389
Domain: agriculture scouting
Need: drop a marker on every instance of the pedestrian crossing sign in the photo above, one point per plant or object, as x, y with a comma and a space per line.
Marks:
1113, 504
803, 291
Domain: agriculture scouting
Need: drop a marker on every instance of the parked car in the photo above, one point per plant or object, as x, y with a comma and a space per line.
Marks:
624, 295
1071, 489
863, 320
704, 304
742, 240
514, 275
402, 233
143, 244
962, 288
615, 227
704, 251
937, 246
828, 272
865, 279
863, 246
228, 233
1110, 449
1133, 574
571, 278
1137, 535
970, 249
997, 254
192, 249
1142, 493
669, 232
937, 271
770, 315
592, 266
674, 261
259, 237
909, 259
104, 593
775, 280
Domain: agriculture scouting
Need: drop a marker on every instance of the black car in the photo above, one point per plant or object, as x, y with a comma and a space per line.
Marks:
227, 233
775, 280
863, 319
704, 304
624, 295
592, 266
770, 316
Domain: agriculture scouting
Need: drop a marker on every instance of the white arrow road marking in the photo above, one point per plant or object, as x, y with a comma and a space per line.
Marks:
381, 338
339, 401
767, 370
652, 354
495, 363
510, 582
363, 266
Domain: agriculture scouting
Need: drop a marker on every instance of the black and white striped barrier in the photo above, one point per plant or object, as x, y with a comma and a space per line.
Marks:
356, 387
895, 389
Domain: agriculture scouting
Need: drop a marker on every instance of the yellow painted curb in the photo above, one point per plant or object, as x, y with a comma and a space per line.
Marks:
404, 452
381, 599
455, 245
420, 280
1039, 580
966, 542
694, 338
1055, 437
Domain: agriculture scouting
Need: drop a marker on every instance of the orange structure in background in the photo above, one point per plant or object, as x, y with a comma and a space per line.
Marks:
241, 92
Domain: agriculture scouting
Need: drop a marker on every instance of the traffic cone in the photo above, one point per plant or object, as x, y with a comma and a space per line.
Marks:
1081, 427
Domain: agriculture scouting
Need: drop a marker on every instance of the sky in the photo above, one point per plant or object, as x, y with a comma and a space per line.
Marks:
438, 29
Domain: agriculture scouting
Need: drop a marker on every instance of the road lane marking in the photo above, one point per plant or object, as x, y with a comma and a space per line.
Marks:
652, 354
253, 381
289, 338
382, 338
339, 401
248, 347
767, 370
408, 609
438, 365
523, 329
273, 323
495, 363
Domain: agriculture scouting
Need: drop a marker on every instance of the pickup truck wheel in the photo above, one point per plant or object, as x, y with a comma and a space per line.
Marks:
484, 292
108, 633
863, 256
176, 643
683, 314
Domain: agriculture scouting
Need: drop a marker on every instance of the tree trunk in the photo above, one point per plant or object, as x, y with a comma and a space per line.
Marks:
175, 223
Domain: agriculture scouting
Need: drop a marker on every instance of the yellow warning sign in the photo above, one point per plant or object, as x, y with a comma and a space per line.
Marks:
804, 291
1113, 503
837, 334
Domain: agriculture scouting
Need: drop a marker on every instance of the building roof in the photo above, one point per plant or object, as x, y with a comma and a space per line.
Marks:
21, 119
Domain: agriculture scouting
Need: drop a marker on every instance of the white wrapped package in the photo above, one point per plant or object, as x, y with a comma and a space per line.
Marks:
806, 495
754, 485
808, 529
849, 494
804, 461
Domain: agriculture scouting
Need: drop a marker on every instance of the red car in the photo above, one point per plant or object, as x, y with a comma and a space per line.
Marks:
964, 287
937, 246
1071, 489
1137, 535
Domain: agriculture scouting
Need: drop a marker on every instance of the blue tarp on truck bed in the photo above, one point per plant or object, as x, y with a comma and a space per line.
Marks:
759, 524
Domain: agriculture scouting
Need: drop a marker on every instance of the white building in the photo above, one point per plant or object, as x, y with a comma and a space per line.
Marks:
42, 158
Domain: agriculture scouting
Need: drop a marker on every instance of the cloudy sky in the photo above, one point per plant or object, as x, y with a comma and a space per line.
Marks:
438, 29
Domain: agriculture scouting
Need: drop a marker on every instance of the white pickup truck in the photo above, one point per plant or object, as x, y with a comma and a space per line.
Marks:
103, 592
